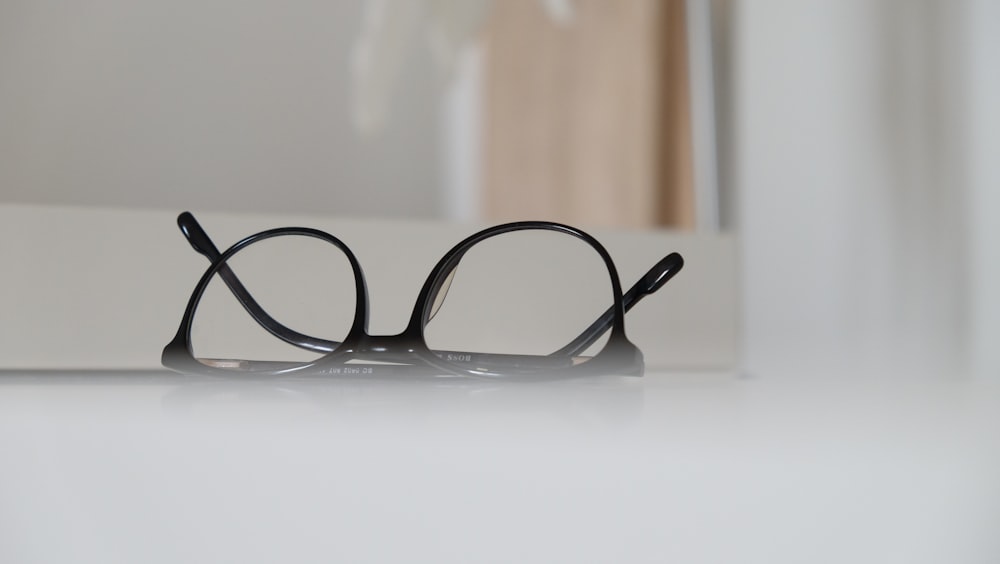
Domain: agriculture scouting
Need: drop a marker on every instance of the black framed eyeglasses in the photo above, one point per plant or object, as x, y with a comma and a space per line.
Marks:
600, 345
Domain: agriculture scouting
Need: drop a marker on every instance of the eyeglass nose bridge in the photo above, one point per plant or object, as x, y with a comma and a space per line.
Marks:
403, 344
403, 348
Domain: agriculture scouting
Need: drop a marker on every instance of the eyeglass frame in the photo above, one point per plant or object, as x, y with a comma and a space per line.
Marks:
409, 348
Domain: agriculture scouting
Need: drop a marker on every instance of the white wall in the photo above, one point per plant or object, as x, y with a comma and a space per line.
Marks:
864, 135
852, 130
983, 99
218, 104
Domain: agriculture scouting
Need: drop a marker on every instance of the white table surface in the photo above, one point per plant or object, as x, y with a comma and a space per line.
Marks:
699, 467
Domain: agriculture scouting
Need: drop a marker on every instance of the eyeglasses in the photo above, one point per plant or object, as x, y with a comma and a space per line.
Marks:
408, 354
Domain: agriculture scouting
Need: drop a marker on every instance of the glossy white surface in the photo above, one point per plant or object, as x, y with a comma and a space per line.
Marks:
703, 467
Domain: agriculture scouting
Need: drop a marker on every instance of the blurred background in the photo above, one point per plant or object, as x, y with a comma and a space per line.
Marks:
847, 144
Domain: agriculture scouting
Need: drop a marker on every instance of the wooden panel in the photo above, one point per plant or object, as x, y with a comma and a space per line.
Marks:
588, 122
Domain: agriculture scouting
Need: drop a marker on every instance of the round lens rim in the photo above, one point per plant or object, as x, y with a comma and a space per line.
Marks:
615, 350
179, 353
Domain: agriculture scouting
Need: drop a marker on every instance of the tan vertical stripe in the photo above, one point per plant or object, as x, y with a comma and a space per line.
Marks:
675, 159
575, 117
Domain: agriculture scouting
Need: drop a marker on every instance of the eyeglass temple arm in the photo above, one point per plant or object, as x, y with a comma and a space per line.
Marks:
201, 242
653, 280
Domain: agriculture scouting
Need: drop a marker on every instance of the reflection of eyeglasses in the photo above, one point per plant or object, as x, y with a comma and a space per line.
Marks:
408, 354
